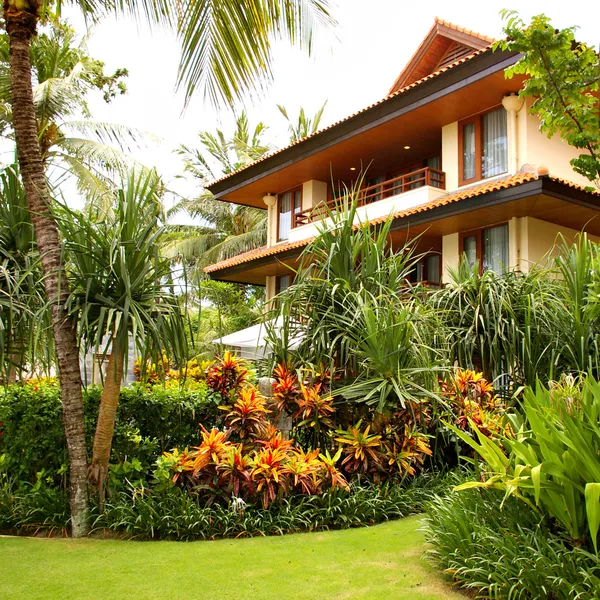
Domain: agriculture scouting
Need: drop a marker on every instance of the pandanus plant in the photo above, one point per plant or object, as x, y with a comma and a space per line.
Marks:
122, 290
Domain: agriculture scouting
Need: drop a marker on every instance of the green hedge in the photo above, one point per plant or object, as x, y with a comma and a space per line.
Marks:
149, 421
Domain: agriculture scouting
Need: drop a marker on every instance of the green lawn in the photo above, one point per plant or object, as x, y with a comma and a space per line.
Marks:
382, 562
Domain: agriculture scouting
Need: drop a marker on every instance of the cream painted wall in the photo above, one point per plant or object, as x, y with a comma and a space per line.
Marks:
450, 155
313, 192
450, 255
554, 154
538, 239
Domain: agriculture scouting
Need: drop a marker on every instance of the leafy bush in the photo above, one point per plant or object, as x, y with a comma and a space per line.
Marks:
506, 553
172, 514
149, 421
550, 457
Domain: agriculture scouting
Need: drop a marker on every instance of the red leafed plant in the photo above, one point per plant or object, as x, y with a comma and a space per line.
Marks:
362, 450
213, 447
314, 409
471, 398
247, 416
285, 389
407, 451
234, 472
270, 474
227, 376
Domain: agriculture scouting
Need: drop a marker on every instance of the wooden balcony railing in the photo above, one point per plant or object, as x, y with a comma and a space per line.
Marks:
376, 192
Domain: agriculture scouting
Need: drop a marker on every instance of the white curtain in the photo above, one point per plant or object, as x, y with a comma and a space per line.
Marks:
470, 250
469, 151
285, 215
495, 249
495, 143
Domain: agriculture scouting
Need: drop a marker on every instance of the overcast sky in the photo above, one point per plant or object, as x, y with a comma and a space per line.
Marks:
351, 67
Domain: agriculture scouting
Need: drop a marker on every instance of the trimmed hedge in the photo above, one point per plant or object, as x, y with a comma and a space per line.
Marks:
149, 422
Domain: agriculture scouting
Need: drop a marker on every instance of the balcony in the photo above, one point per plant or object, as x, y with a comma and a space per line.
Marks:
406, 182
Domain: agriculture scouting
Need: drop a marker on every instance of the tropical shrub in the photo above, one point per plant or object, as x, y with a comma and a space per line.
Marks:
172, 514
505, 552
549, 457
227, 376
150, 420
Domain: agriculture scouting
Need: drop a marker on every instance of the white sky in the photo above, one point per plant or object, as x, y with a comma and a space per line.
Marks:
351, 67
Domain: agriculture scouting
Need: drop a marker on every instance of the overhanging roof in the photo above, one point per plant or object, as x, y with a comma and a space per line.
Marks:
437, 99
486, 195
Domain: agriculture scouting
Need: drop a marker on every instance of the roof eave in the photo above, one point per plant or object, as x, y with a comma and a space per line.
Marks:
452, 79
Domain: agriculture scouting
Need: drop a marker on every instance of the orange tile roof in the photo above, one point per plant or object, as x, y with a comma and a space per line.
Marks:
463, 194
403, 90
464, 30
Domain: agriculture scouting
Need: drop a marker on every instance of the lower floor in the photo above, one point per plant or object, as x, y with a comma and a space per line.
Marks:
508, 224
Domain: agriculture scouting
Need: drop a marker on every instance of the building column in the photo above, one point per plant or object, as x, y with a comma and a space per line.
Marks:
512, 103
450, 255
271, 201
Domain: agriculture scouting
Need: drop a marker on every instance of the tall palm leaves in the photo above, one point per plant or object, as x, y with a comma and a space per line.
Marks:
122, 288
23, 318
227, 229
304, 125
351, 309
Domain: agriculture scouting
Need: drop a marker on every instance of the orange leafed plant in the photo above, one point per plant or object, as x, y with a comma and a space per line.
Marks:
227, 375
330, 473
270, 474
285, 389
314, 409
247, 416
408, 451
304, 469
274, 440
213, 448
362, 450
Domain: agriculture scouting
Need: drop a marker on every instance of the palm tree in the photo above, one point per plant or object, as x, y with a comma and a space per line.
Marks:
227, 229
71, 146
226, 48
23, 322
304, 125
120, 288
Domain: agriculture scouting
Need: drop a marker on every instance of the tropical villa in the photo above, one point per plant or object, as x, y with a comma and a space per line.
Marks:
453, 155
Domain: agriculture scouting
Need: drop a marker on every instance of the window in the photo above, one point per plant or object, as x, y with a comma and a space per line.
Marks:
287, 202
483, 146
283, 283
487, 248
427, 271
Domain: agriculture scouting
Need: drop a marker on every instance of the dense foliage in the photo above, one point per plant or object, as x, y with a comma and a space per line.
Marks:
562, 78
149, 421
507, 553
548, 456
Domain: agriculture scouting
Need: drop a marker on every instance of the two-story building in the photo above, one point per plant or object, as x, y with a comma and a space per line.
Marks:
453, 154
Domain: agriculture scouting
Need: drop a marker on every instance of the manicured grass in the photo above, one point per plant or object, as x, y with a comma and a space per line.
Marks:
381, 562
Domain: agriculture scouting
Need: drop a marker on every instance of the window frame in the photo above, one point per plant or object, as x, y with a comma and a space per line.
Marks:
477, 121
292, 191
478, 234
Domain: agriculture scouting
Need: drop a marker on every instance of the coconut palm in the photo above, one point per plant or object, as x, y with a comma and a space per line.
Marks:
227, 229
71, 143
120, 289
225, 48
304, 125
23, 321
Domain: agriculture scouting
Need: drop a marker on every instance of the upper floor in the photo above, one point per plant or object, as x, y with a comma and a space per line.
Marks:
451, 120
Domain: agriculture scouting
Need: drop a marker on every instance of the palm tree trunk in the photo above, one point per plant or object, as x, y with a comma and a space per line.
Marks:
107, 415
21, 20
